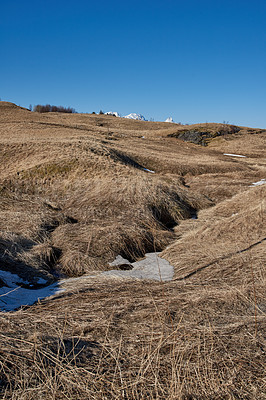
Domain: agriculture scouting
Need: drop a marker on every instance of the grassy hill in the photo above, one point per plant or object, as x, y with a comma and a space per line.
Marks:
76, 190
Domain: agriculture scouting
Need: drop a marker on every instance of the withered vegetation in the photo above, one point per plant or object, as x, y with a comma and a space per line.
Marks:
75, 191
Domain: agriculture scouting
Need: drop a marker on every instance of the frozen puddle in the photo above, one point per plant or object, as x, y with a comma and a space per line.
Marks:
13, 295
16, 292
151, 267
234, 155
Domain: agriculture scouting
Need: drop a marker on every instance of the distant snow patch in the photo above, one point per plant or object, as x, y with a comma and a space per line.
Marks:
261, 182
113, 113
136, 116
233, 155
170, 119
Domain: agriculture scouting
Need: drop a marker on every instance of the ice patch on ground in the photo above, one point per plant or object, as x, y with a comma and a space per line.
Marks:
13, 295
119, 261
148, 170
152, 267
41, 281
261, 182
234, 155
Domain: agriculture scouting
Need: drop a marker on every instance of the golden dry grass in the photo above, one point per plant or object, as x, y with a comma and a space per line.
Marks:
73, 195
135, 341
220, 243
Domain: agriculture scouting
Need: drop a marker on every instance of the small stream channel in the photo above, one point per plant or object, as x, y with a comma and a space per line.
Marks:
16, 292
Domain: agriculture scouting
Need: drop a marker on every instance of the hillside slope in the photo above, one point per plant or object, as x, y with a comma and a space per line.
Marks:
76, 190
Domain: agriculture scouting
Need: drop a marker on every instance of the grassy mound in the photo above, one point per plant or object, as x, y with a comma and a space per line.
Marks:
204, 133
227, 243
92, 221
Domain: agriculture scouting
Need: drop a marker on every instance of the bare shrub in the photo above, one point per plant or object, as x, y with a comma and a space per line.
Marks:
49, 108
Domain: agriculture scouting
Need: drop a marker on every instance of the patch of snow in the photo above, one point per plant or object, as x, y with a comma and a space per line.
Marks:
114, 113
261, 182
41, 281
136, 116
11, 279
119, 261
234, 155
148, 170
13, 296
170, 119
151, 267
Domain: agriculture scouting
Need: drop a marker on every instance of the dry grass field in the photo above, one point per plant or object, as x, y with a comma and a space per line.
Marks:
76, 190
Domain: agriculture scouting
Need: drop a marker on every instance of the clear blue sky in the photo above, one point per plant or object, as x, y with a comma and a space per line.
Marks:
197, 61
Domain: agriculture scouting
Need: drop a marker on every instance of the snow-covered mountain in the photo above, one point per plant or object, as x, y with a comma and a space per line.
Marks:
135, 116
114, 113
170, 119
139, 117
